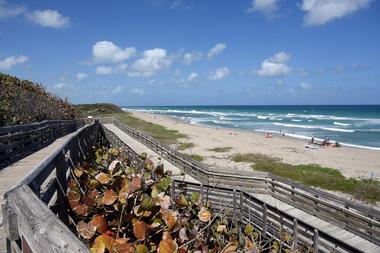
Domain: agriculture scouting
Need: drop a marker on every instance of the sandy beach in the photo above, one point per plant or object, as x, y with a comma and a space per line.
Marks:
352, 162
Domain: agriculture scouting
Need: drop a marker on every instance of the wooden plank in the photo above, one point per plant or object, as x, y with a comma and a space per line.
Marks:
42, 230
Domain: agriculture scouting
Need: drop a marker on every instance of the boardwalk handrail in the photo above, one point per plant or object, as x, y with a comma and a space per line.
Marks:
17, 141
28, 218
357, 218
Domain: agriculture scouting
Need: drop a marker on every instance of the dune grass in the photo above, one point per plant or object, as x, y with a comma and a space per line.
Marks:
160, 133
221, 149
314, 175
195, 157
185, 145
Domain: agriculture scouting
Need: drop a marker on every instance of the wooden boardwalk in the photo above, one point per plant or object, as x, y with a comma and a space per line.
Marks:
321, 225
14, 173
140, 148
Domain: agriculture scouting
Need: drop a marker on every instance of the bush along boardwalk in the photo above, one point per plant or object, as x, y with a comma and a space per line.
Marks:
119, 205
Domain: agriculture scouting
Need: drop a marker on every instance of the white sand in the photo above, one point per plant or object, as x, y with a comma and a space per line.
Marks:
352, 162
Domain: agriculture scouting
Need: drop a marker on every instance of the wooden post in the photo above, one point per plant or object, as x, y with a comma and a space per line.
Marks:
315, 241
241, 207
295, 235
10, 225
265, 219
172, 193
234, 211
60, 170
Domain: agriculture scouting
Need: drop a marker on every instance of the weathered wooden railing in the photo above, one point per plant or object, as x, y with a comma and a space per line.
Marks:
20, 140
35, 208
354, 217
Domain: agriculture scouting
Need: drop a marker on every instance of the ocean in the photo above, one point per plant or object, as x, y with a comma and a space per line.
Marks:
351, 125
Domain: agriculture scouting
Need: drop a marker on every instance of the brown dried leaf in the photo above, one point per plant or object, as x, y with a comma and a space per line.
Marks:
170, 218
86, 230
98, 247
167, 244
135, 185
73, 198
103, 178
78, 172
123, 248
82, 210
109, 197
90, 202
204, 214
107, 240
100, 223
139, 230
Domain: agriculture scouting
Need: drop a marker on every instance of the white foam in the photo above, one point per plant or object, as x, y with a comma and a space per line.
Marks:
293, 125
262, 117
341, 124
338, 129
296, 120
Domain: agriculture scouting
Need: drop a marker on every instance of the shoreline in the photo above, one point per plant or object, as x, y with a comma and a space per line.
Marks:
351, 161
288, 134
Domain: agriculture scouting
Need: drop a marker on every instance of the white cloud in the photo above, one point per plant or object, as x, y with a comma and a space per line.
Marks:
275, 65
106, 51
193, 77
60, 85
104, 70
137, 91
219, 73
7, 11
12, 61
319, 12
305, 86
81, 76
267, 7
152, 61
49, 18
192, 57
217, 49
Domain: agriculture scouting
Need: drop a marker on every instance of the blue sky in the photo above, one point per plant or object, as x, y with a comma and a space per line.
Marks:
196, 52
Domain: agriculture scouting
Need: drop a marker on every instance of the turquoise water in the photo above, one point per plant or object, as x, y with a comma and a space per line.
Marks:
353, 125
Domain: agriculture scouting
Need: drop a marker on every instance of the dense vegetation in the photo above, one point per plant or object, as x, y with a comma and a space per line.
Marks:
23, 102
118, 205
99, 109
314, 175
158, 132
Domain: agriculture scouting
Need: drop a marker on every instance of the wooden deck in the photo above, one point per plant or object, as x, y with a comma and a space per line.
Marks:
14, 173
140, 148
321, 225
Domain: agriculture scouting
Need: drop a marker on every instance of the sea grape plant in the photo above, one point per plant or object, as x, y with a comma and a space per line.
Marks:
116, 207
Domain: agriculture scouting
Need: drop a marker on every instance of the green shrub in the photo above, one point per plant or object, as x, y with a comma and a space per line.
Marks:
23, 102
185, 145
221, 149
314, 175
